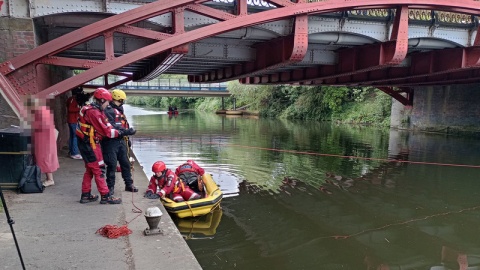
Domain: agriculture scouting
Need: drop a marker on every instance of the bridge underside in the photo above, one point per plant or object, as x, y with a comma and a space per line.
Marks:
394, 46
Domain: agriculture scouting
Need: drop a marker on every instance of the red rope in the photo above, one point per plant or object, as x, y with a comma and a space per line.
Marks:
321, 154
112, 231
337, 237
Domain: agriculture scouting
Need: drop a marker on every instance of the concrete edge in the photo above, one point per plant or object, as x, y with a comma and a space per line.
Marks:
153, 251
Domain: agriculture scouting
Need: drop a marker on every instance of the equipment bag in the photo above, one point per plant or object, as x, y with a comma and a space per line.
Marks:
31, 181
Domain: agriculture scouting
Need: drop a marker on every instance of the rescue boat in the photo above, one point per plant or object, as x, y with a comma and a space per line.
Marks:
199, 207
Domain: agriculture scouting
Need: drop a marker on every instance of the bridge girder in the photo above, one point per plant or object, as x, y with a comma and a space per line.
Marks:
19, 73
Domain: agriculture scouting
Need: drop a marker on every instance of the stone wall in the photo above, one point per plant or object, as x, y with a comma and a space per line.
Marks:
18, 36
445, 109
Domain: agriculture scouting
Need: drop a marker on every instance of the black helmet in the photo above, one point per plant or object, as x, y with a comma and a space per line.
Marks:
76, 91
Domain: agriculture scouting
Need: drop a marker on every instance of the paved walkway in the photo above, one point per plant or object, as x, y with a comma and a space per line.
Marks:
55, 231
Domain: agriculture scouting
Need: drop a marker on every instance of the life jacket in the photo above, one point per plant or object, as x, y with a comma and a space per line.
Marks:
121, 119
85, 129
186, 168
178, 185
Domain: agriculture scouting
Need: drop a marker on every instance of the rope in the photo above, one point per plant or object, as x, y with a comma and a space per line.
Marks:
189, 207
323, 154
113, 231
401, 223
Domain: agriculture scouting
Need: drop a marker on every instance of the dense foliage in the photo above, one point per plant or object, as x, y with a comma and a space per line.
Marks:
323, 103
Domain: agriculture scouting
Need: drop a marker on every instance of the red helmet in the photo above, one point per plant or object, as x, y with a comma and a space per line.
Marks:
102, 93
159, 166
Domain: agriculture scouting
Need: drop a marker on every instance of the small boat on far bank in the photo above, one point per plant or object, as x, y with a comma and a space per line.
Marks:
198, 207
234, 112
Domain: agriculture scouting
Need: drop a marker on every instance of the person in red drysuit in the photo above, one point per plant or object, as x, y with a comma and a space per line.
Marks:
169, 184
191, 174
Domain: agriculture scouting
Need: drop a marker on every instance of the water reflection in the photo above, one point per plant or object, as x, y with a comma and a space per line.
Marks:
203, 227
318, 196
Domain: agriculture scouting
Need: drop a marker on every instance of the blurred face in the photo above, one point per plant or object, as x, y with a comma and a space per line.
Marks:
119, 102
158, 174
104, 104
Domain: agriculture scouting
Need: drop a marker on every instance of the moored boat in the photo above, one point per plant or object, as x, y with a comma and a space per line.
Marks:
198, 207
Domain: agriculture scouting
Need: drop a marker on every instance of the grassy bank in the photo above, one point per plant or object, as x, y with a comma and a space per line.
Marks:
366, 106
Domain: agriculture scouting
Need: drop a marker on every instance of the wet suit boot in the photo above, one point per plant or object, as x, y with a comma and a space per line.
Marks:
109, 199
111, 189
131, 188
87, 197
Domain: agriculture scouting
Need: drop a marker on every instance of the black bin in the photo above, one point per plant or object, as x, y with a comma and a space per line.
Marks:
14, 156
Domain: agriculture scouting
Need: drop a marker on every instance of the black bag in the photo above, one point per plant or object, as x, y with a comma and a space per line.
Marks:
31, 181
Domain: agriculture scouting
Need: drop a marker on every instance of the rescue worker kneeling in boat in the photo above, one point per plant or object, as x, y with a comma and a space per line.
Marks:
191, 174
169, 184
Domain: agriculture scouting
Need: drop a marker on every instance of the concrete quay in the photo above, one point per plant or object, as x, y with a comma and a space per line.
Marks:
55, 231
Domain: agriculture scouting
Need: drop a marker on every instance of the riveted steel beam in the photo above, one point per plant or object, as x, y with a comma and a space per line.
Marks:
396, 94
352, 60
270, 55
17, 67
426, 68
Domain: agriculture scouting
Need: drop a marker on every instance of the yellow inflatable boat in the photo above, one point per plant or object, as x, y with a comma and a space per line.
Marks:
198, 207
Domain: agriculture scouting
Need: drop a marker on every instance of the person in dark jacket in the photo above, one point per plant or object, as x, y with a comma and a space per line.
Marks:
117, 149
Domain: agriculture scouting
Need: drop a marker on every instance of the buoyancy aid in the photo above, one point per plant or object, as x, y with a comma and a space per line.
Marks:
164, 182
186, 168
120, 118
85, 129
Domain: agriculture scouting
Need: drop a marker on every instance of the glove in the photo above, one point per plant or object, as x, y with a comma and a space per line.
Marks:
130, 131
150, 195
129, 142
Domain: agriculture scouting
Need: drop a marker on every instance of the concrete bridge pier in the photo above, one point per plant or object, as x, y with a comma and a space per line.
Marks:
451, 109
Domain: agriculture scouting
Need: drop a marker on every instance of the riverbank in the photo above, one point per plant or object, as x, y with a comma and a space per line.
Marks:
55, 231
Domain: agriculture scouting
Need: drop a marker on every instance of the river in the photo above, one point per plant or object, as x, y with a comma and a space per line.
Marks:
310, 195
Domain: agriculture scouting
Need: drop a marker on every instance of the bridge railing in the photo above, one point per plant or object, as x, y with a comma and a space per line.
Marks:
167, 84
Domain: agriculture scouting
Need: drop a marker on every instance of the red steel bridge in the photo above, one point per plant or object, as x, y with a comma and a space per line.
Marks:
393, 45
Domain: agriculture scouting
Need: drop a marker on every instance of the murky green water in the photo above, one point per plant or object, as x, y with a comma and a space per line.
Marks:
308, 195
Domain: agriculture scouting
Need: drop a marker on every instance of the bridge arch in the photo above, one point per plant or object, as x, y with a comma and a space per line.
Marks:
17, 74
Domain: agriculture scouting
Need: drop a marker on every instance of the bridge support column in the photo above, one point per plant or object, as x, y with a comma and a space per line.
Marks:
16, 37
445, 109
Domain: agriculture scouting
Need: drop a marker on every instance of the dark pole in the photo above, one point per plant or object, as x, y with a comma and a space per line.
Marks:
11, 222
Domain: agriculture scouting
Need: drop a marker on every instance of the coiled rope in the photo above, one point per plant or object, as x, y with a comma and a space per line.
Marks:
113, 231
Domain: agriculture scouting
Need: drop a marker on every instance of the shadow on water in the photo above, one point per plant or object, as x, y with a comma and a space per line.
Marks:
308, 195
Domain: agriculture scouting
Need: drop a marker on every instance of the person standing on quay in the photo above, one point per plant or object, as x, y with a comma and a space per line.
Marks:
44, 139
92, 127
117, 148
73, 109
